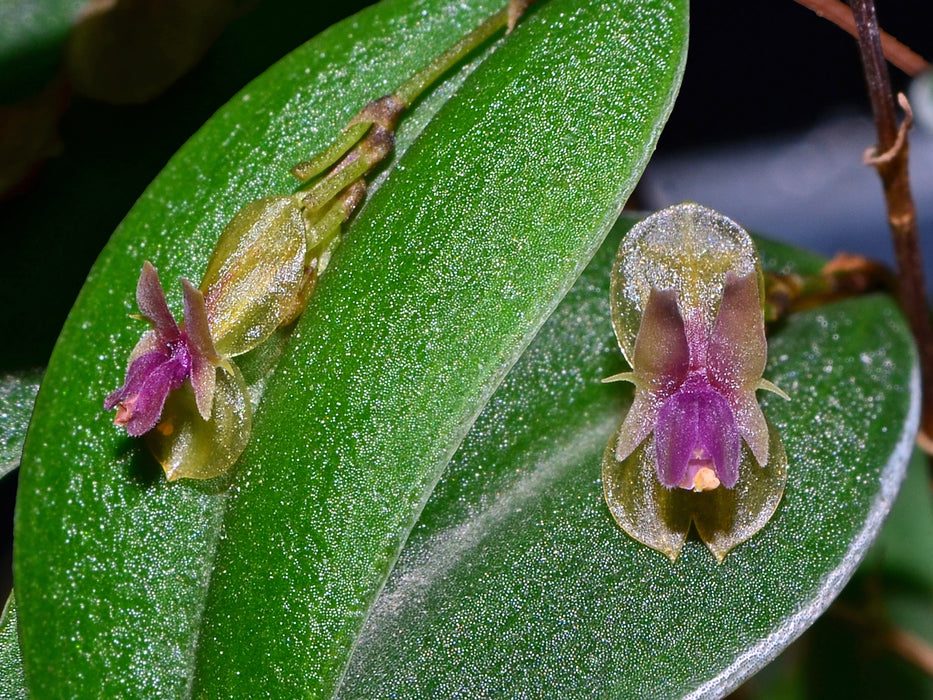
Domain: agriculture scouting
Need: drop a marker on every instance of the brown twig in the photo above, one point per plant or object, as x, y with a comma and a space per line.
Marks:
904, 643
889, 158
844, 276
913, 64
914, 649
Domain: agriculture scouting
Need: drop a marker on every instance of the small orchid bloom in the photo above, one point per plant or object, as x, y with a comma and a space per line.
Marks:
189, 401
694, 449
182, 389
165, 357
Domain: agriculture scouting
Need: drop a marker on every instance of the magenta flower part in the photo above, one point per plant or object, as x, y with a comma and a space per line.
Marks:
696, 429
165, 357
695, 388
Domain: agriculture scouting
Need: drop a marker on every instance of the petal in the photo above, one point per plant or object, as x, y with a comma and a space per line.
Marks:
752, 425
203, 381
189, 447
149, 342
151, 301
639, 422
662, 356
147, 402
661, 360
136, 374
201, 348
737, 347
647, 511
737, 356
196, 327
696, 424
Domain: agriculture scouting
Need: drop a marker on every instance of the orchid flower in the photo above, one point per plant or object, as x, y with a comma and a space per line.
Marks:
165, 357
182, 389
695, 446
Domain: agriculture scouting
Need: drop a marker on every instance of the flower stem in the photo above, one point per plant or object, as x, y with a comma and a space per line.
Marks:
890, 160
412, 88
837, 12
376, 121
843, 276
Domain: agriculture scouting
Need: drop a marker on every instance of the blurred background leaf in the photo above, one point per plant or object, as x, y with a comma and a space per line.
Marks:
12, 678
32, 39
17, 399
125, 51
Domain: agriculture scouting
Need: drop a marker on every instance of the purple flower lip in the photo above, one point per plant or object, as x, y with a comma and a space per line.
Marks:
149, 380
697, 441
165, 357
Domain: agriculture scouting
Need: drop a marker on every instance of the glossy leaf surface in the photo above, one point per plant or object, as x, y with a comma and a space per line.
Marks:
17, 399
865, 646
124, 583
517, 582
12, 679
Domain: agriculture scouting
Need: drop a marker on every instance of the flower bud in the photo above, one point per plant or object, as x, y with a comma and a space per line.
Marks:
256, 273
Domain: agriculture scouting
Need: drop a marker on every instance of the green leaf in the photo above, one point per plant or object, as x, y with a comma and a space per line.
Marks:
17, 399
517, 582
862, 647
12, 680
124, 584
32, 39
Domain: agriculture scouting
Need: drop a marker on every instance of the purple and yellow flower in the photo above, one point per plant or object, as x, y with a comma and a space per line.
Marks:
165, 357
196, 419
182, 389
694, 450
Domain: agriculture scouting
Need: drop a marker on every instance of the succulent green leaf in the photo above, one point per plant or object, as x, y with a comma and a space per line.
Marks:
864, 646
17, 399
138, 588
517, 582
12, 679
